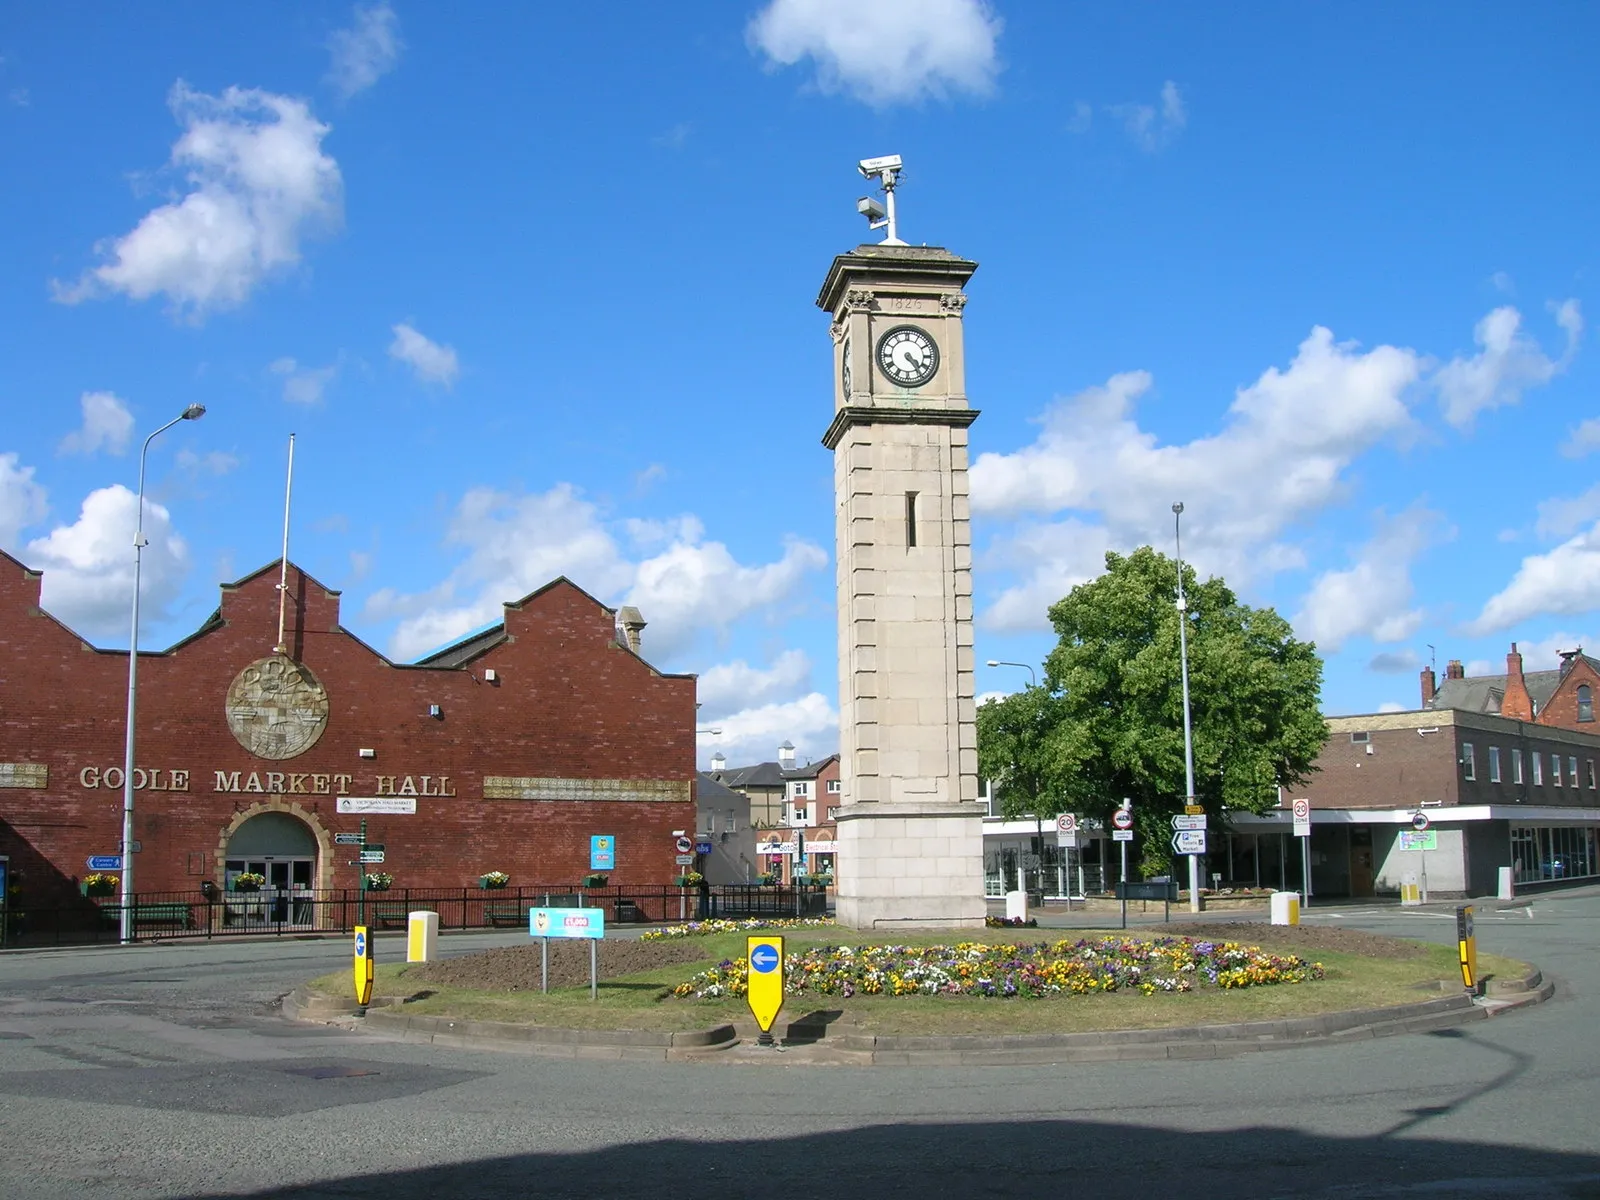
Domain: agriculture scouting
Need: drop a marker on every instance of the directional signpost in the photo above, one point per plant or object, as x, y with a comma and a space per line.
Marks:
347, 839
371, 855
765, 988
105, 862
1189, 841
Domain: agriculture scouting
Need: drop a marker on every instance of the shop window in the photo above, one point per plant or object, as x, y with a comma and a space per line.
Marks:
1585, 703
1469, 765
1516, 766
1538, 768
1555, 770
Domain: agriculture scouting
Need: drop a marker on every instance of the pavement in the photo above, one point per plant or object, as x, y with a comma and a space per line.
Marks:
168, 1071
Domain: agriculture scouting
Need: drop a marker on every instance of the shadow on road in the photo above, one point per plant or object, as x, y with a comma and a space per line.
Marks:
1015, 1158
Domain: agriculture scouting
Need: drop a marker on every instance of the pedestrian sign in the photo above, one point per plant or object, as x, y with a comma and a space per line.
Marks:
363, 965
765, 988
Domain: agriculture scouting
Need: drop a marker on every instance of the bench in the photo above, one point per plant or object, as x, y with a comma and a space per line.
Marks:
511, 913
167, 916
388, 914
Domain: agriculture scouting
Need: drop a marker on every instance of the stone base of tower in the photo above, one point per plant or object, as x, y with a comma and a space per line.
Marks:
902, 865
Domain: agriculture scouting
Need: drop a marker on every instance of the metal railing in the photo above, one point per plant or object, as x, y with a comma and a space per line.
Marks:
291, 913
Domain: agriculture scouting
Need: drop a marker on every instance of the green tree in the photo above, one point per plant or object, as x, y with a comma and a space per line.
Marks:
1015, 737
1115, 704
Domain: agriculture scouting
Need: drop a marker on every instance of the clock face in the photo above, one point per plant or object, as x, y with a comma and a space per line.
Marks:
908, 356
844, 371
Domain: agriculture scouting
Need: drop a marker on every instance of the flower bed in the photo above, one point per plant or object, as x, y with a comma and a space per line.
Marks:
1145, 965
720, 925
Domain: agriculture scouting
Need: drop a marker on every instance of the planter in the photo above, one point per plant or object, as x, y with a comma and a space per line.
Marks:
490, 886
249, 887
595, 881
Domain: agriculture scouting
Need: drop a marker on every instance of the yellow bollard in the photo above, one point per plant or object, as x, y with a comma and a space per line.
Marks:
422, 937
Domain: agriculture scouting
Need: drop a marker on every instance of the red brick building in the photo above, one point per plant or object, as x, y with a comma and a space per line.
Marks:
506, 751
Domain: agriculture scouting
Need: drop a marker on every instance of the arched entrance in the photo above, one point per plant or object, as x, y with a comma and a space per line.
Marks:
283, 850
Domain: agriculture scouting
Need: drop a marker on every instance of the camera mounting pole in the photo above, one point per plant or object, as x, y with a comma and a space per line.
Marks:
886, 170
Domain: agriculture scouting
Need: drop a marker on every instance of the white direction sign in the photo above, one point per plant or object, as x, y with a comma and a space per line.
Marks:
1302, 818
1181, 822
1122, 835
371, 857
1189, 841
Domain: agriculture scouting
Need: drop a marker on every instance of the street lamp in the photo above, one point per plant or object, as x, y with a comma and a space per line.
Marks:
193, 413
1188, 735
1038, 818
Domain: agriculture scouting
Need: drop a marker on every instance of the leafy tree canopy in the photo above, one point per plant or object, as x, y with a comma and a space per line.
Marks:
1107, 722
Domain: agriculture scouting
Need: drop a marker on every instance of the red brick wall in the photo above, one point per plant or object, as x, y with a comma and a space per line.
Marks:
569, 702
1561, 709
1403, 769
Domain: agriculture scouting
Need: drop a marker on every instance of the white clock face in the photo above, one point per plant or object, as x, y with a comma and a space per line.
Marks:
908, 356
844, 371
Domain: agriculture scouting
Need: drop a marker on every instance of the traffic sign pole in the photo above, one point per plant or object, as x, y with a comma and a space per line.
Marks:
361, 880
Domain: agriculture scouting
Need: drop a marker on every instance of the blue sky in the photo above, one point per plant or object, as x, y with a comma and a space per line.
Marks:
533, 285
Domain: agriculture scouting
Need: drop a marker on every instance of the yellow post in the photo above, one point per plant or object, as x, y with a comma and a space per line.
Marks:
1467, 948
364, 966
765, 981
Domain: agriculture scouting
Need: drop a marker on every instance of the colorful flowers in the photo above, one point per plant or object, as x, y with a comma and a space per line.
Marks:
719, 925
493, 879
379, 881
249, 881
101, 885
1064, 968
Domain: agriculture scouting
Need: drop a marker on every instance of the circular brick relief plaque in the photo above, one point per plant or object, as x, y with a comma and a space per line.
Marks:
276, 708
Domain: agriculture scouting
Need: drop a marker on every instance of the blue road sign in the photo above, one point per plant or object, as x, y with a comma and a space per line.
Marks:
361, 944
702, 847
105, 862
764, 959
602, 852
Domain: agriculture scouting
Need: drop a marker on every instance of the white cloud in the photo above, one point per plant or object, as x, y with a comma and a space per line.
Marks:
1507, 364
1395, 662
1281, 456
432, 362
1564, 581
88, 565
258, 181
1370, 598
22, 501
753, 735
1082, 119
107, 425
515, 543
303, 385
737, 685
1389, 706
214, 462
1583, 440
885, 52
365, 52
1151, 127
1561, 515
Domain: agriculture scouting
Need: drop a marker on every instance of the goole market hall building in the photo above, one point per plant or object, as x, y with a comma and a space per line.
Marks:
507, 751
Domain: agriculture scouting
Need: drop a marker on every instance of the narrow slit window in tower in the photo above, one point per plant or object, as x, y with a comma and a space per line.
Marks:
911, 519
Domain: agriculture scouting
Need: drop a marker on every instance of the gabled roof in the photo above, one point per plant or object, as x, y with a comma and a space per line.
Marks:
761, 775
1485, 693
811, 770
707, 788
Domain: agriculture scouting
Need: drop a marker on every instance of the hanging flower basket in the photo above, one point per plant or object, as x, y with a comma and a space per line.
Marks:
248, 881
493, 879
101, 885
380, 881
690, 879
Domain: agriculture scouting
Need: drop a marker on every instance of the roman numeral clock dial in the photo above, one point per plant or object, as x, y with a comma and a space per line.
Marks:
907, 356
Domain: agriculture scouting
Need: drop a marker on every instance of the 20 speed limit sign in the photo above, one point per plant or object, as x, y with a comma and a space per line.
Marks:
1067, 823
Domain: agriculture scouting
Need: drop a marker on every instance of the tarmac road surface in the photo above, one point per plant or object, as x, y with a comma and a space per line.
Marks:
165, 1071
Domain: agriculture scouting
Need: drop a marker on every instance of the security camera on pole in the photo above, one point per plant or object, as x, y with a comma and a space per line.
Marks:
1189, 804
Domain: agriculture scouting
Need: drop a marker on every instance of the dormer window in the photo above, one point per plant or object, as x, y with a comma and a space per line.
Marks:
1585, 702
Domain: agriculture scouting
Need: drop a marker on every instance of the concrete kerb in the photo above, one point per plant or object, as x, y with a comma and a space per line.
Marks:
812, 1043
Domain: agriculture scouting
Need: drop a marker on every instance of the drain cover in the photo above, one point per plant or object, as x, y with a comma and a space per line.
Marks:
332, 1072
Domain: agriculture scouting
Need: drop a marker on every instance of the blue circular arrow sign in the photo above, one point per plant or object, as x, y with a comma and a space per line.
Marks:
764, 959
361, 945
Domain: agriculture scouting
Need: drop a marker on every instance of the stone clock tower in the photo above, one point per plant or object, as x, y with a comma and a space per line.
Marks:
910, 832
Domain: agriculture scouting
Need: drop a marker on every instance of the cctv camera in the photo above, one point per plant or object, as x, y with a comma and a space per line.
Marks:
870, 209
877, 166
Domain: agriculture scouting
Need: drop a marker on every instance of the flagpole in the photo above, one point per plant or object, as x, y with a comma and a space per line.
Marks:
283, 570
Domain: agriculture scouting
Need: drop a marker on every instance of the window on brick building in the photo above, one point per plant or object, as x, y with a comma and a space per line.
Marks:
834, 787
1469, 765
1590, 765
1538, 768
1555, 770
1516, 766
1572, 770
802, 789
1585, 702
801, 812
1494, 764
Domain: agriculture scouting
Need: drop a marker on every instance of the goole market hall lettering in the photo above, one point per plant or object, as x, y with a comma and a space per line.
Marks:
279, 783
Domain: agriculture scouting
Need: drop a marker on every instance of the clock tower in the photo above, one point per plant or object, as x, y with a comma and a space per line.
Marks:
910, 827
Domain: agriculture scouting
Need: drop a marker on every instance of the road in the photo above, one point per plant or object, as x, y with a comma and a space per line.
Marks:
159, 1071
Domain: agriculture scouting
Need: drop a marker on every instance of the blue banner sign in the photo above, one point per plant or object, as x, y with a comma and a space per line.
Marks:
105, 862
567, 922
602, 852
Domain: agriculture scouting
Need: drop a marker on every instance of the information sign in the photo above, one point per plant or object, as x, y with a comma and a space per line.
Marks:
387, 805
602, 852
347, 839
1302, 818
371, 857
702, 847
1189, 822
1413, 840
105, 862
363, 966
1194, 810
765, 988
1189, 841
1067, 841
684, 860
567, 922
1122, 835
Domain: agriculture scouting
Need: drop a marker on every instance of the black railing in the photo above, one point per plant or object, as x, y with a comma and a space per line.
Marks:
163, 915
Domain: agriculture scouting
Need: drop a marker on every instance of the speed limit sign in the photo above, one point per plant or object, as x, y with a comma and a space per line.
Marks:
1067, 823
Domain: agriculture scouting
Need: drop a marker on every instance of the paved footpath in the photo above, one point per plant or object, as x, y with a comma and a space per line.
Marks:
162, 1071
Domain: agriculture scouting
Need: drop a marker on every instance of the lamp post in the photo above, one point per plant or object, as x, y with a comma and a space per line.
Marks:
193, 413
1038, 819
1188, 734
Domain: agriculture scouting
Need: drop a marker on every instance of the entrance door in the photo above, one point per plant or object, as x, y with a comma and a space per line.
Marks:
1361, 860
285, 899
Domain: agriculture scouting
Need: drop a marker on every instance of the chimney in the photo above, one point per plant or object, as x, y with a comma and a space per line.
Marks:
786, 756
1516, 703
1430, 686
1454, 670
632, 624
1567, 659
